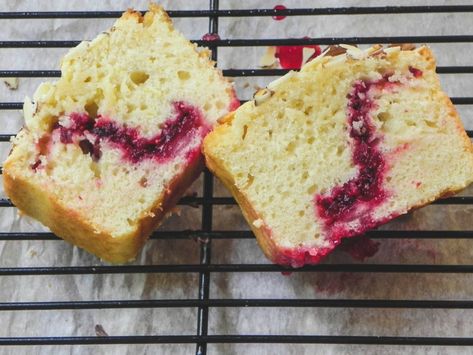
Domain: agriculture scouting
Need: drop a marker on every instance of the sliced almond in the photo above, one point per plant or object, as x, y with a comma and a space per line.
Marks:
354, 52
333, 51
404, 46
380, 53
374, 49
262, 95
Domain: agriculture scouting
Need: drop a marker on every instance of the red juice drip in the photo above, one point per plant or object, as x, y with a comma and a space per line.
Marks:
211, 37
291, 57
279, 17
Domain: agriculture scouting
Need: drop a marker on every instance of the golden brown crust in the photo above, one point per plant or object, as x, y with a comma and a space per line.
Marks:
262, 233
452, 111
66, 223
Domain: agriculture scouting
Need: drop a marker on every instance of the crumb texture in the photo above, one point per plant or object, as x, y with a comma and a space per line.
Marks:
347, 143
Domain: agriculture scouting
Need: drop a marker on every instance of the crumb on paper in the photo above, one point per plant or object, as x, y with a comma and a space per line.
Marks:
258, 223
176, 211
268, 60
99, 331
11, 83
33, 253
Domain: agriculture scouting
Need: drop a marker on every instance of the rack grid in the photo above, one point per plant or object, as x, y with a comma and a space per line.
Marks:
206, 234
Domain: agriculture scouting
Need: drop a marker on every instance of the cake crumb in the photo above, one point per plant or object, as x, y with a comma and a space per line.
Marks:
268, 60
99, 331
11, 83
175, 211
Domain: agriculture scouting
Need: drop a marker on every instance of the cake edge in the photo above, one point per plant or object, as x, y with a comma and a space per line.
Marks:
263, 232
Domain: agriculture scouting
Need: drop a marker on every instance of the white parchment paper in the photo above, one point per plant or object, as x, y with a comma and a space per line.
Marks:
182, 321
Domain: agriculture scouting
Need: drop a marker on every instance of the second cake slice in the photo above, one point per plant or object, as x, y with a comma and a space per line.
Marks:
351, 141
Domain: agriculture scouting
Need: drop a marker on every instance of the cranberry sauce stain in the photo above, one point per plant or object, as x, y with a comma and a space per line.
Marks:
186, 124
291, 57
346, 209
279, 17
359, 248
211, 37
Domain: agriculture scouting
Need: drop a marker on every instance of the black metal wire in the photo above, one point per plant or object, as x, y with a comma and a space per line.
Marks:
250, 42
226, 72
196, 201
199, 235
268, 303
358, 10
222, 268
207, 220
239, 339
204, 236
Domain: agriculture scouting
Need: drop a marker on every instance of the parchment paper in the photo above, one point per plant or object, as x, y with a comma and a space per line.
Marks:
181, 321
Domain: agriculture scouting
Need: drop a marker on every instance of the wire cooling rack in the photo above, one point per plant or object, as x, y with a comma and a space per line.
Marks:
206, 268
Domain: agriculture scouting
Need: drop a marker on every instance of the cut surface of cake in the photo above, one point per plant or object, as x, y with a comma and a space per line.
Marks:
107, 150
354, 139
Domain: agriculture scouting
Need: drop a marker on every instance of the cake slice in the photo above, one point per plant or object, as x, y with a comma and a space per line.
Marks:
354, 139
110, 147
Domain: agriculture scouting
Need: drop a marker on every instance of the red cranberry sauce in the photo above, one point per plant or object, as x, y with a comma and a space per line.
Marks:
177, 132
211, 37
79, 123
279, 17
300, 256
346, 209
291, 57
36, 164
416, 72
234, 102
